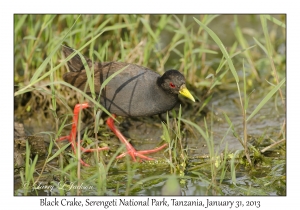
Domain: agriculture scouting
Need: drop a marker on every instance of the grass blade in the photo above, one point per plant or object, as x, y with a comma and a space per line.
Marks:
107, 80
276, 21
58, 152
197, 128
266, 99
222, 48
261, 46
150, 31
166, 133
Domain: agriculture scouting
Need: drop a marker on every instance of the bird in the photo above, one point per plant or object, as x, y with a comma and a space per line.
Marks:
136, 91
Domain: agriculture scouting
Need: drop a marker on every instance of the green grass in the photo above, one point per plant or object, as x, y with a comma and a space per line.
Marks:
247, 59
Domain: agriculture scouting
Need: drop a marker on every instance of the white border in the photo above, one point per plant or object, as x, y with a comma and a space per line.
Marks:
155, 6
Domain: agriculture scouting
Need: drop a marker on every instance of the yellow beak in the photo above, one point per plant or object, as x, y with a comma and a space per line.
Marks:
185, 92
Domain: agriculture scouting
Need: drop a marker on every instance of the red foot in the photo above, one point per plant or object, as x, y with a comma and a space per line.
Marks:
130, 149
71, 138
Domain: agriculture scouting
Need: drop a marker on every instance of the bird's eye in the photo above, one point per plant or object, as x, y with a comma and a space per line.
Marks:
172, 85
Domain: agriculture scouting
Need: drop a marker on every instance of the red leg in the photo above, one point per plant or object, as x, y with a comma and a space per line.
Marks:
130, 149
71, 138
